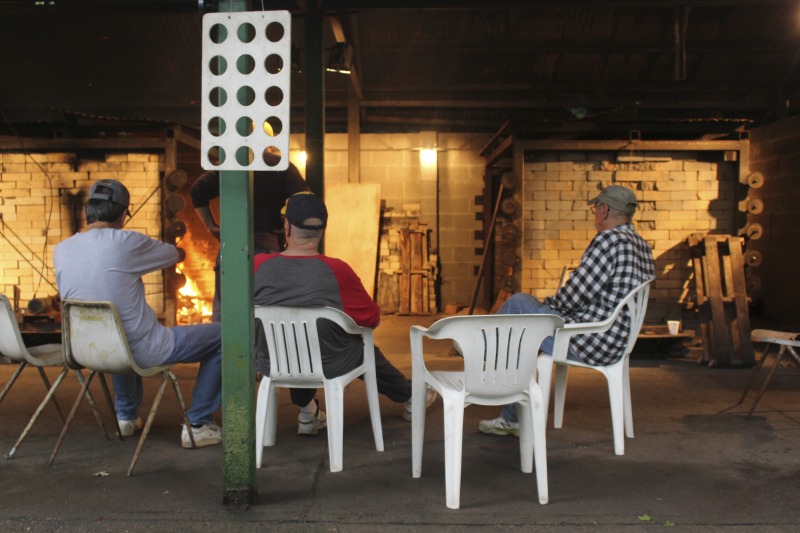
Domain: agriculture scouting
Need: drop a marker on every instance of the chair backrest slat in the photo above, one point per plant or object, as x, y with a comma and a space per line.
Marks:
293, 339
500, 351
636, 304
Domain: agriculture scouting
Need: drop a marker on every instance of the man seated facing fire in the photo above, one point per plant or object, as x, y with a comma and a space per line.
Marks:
105, 262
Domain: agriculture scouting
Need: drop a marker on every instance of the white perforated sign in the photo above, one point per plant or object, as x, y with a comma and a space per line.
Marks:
246, 88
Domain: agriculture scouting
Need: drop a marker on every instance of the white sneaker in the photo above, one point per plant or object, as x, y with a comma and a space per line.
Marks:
206, 435
430, 397
311, 423
128, 427
499, 426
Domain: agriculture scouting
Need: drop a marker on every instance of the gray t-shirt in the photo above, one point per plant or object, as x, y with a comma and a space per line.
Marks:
107, 265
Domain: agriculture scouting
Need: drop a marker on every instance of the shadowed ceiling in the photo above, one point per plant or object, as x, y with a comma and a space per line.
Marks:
555, 69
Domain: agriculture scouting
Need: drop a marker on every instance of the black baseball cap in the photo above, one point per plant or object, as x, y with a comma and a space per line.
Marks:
304, 206
110, 191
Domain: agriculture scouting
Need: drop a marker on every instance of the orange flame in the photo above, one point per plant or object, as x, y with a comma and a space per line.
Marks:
194, 309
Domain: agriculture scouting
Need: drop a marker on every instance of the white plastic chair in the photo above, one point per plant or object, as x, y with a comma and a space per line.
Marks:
296, 362
617, 374
13, 348
94, 338
500, 353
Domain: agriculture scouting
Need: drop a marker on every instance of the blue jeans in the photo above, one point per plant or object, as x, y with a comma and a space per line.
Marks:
525, 304
199, 343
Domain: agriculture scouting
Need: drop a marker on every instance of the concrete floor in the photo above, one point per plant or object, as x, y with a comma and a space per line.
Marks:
697, 463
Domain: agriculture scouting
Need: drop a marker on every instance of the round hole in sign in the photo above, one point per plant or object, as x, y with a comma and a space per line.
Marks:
216, 155
274, 124
244, 126
244, 155
216, 126
218, 33
272, 156
218, 97
218, 65
273, 63
274, 96
275, 32
245, 64
246, 32
246, 95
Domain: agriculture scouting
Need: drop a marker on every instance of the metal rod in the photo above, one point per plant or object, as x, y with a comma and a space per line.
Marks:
488, 239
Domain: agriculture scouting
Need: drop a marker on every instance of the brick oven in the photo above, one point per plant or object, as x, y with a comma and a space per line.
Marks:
43, 196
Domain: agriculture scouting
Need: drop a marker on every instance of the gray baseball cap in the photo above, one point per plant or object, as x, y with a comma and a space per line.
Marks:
617, 198
111, 191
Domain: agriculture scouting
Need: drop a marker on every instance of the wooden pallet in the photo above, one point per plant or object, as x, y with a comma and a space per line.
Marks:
722, 298
416, 272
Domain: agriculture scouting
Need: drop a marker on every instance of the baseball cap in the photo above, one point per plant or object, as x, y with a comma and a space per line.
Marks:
304, 206
111, 191
617, 198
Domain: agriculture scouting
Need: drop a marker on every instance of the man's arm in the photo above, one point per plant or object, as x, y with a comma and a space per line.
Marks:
205, 189
207, 217
355, 299
586, 282
151, 255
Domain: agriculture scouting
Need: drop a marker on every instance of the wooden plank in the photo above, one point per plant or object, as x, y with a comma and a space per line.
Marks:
423, 228
354, 214
416, 294
720, 336
416, 250
697, 251
426, 307
741, 325
405, 294
405, 250
727, 279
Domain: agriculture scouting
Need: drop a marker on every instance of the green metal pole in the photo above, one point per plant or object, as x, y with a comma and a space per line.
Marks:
238, 373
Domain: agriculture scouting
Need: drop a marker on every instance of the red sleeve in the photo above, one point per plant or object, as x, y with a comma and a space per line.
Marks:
355, 299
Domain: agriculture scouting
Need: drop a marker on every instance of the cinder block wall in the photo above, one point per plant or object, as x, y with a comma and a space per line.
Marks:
41, 203
687, 194
393, 161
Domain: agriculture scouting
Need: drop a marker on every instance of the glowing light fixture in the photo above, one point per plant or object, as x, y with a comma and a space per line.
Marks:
341, 58
427, 156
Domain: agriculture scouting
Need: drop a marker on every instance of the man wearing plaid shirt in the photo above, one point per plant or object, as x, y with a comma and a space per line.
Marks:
616, 262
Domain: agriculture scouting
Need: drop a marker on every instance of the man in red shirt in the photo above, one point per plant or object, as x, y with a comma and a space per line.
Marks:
300, 276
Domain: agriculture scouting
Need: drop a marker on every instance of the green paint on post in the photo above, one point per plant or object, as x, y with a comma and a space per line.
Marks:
238, 371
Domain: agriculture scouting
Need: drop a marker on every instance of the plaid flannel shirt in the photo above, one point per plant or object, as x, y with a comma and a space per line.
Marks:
616, 262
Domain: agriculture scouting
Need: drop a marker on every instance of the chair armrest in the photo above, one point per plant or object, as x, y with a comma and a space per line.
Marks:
344, 321
565, 334
417, 333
